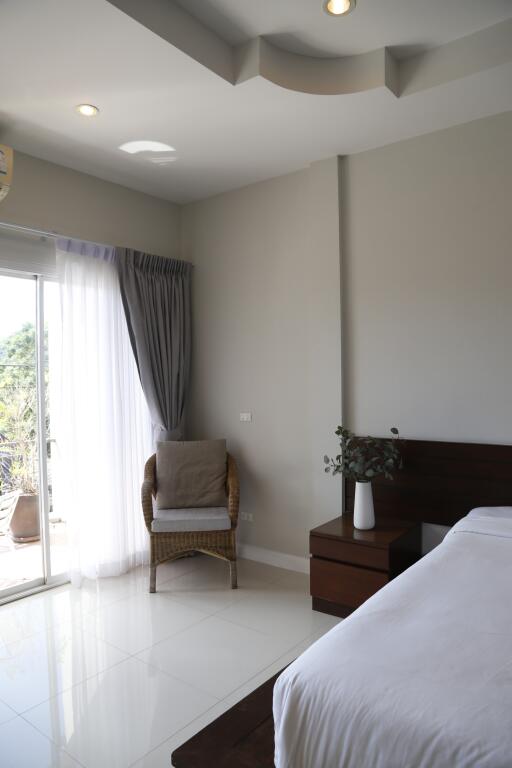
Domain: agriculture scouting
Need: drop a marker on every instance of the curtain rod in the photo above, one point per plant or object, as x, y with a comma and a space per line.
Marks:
45, 233
57, 236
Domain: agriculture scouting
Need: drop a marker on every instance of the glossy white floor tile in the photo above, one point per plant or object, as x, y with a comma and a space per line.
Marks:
116, 717
284, 614
230, 655
207, 587
159, 757
110, 675
173, 569
294, 580
141, 620
38, 667
22, 746
22, 619
6, 713
62, 606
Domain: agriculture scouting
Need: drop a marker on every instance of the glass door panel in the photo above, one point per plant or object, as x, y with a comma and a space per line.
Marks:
21, 535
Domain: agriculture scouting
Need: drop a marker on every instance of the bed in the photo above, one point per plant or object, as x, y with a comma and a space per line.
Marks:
420, 676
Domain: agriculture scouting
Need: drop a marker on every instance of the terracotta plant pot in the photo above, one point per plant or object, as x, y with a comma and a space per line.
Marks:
25, 524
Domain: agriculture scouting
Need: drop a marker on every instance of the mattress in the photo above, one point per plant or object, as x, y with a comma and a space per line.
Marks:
420, 676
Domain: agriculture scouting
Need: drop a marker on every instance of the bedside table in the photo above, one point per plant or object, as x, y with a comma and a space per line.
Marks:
348, 566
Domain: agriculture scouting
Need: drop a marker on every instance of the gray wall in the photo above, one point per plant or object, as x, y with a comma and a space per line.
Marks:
267, 340
427, 265
51, 197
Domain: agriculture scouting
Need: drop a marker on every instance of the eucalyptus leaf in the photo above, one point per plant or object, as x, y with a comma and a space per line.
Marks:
364, 458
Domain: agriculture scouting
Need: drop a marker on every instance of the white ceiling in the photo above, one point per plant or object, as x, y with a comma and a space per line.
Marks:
302, 26
57, 53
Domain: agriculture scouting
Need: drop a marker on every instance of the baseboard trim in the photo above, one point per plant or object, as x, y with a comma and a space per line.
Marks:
271, 557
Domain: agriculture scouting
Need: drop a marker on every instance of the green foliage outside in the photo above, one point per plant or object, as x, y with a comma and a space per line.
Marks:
18, 411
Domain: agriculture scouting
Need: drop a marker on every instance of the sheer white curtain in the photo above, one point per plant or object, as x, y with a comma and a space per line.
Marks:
103, 427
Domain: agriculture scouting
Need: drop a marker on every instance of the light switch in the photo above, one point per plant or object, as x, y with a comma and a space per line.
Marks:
247, 416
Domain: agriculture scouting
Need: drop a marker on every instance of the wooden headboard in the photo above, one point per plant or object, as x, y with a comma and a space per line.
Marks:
442, 482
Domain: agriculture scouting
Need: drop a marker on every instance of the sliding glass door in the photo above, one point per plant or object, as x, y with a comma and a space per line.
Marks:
33, 548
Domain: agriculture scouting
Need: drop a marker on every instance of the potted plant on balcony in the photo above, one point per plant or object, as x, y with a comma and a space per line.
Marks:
25, 524
362, 459
18, 430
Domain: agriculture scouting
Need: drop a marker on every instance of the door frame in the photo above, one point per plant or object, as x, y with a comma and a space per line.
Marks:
46, 580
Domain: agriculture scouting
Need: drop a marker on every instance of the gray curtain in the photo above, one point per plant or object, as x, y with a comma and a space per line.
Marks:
157, 302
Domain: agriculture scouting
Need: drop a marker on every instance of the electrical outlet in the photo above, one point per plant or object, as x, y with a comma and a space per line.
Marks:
247, 516
246, 416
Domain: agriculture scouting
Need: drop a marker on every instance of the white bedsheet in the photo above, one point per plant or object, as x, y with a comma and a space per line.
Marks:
421, 675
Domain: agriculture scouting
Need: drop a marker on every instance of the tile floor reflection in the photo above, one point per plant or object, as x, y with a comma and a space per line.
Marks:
109, 676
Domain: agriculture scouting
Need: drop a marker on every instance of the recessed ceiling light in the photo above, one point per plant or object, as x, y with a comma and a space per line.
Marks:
132, 147
87, 110
339, 7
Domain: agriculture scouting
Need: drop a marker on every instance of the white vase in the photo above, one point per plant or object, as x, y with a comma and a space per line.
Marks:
364, 516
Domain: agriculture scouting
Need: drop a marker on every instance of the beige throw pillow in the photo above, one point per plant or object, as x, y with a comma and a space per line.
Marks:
191, 474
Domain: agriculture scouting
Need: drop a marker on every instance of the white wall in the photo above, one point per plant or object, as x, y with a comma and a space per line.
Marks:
54, 198
267, 340
427, 289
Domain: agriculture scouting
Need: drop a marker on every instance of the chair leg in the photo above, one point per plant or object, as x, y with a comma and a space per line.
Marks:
152, 578
232, 569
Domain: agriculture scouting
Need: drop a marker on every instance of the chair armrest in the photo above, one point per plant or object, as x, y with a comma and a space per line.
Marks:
233, 491
148, 491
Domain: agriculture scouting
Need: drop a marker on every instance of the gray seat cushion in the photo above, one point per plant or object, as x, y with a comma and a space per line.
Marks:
190, 519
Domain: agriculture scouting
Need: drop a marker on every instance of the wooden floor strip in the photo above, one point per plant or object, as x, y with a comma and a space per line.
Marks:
243, 737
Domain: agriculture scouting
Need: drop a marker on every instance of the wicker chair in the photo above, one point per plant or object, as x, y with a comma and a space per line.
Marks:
171, 546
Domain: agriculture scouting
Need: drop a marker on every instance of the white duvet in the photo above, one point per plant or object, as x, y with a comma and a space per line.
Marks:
421, 675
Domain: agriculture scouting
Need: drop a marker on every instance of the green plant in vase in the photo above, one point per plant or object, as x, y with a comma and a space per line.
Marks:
362, 459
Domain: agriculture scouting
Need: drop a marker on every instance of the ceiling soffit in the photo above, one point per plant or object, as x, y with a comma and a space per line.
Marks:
259, 57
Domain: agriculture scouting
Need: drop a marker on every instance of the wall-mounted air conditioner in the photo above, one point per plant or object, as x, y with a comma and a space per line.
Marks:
6, 164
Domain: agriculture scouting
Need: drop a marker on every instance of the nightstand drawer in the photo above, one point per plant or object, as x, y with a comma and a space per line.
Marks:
344, 584
357, 554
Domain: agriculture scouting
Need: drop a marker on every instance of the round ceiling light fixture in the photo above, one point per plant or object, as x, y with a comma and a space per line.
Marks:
132, 147
87, 110
339, 7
